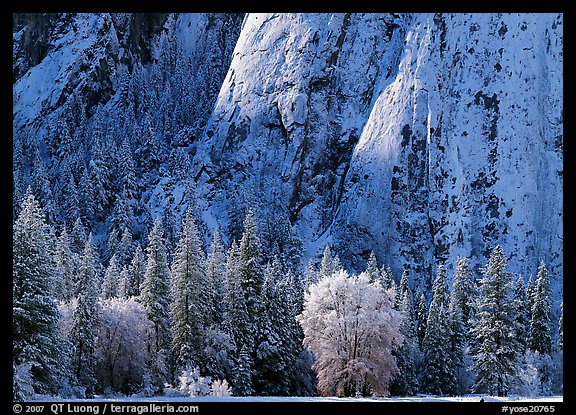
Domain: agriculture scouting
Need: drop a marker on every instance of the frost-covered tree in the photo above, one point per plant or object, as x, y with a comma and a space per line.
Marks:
121, 355
35, 336
493, 329
189, 303
155, 297
83, 331
387, 279
351, 328
438, 373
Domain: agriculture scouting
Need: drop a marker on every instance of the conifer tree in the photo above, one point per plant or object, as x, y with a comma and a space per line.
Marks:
189, 305
67, 263
493, 329
215, 271
405, 382
155, 297
540, 334
465, 291
238, 325
35, 336
421, 317
136, 272
521, 314
111, 280
438, 376
372, 269
83, 331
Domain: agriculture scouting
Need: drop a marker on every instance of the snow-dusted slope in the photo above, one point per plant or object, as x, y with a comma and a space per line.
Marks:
422, 137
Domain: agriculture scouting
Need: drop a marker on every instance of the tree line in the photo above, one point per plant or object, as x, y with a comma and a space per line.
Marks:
149, 320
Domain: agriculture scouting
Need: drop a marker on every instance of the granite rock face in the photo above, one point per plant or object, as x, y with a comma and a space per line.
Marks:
422, 137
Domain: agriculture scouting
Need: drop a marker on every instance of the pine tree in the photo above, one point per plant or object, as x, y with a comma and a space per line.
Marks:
249, 267
155, 297
405, 382
215, 270
111, 280
35, 337
189, 304
269, 363
493, 330
387, 279
540, 334
67, 263
372, 269
421, 318
136, 271
329, 264
83, 332
521, 314
125, 248
458, 344
238, 325
439, 375
465, 291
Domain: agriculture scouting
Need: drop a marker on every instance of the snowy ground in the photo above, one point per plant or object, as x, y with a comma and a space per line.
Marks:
422, 398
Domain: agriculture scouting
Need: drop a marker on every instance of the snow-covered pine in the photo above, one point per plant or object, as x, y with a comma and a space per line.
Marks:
35, 335
438, 375
457, 346
421, 316
250, 266
465, 289
540, 333
189, 302
125, 248
67, 263
522, 314
405, 382
136, 272
215, 271
84, 320
237, 324
271, 361
493, 329
111, 280
155, 297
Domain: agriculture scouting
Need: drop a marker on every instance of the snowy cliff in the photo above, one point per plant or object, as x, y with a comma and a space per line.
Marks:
422, 137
